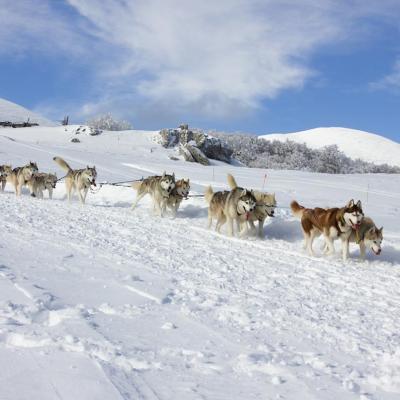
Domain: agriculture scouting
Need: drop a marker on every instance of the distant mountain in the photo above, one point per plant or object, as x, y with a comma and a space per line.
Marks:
12, 112
354, 143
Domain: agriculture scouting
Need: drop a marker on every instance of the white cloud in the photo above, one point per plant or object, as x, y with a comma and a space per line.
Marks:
212, 58
390, 82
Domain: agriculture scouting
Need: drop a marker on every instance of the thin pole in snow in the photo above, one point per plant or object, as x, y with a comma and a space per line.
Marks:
367, 191
265, 178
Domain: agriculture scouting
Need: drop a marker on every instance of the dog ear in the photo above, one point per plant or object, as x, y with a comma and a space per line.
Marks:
359, 204
163, 175
244, 192
380, 229
350, 203
173, 175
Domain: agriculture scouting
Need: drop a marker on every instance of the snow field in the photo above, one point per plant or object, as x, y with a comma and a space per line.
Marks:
102, 302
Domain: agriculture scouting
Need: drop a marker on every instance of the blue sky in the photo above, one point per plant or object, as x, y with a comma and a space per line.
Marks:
257, 66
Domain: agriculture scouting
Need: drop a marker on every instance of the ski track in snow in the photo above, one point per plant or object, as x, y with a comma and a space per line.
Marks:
125, 305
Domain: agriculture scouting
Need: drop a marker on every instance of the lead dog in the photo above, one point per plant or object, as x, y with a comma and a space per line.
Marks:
158, 187
20, 176
333, 223
265, 207
78, 180
367, 235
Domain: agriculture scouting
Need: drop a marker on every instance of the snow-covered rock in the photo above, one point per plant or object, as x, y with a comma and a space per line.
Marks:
208, 146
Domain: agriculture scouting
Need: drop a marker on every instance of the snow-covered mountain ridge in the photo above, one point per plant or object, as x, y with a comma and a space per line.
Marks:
354, 143
13, 112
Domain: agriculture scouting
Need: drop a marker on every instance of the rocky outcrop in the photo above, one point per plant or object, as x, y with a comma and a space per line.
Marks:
195, 145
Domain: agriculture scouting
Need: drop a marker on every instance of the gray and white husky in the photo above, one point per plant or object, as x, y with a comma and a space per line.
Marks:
366, 236
20, 176
265, 207
216, 204
177, 194
78, 180
39, 182
158, 187
232, 207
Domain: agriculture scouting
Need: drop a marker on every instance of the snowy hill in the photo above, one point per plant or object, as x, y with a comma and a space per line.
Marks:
15, 113
102, 302
355, 144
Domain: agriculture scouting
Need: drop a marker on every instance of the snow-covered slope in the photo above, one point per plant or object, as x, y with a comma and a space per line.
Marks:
354, 143
102, 302
15, 113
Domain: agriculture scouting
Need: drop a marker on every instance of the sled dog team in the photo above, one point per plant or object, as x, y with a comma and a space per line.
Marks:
238, 206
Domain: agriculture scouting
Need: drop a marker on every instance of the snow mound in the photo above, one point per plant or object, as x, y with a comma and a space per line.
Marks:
12, 112
354, 143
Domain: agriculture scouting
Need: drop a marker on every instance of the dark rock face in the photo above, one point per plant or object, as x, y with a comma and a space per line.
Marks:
195, 145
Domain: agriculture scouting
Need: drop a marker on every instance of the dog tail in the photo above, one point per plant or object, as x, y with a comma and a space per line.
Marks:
63, 164
208, 195
297, 209
136, 185
232, 182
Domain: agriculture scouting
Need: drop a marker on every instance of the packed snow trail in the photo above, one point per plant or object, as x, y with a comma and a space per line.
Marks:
102, 302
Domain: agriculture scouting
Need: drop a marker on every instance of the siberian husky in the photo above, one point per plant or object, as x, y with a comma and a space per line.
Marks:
265, 207
159, 188
333, 223
216, 204
78, 180
178, 193
367, 235
20, 176
5, 170
40, 182
230, 207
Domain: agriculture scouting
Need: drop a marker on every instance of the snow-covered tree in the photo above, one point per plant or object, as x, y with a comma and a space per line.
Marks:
261, 153
107, 122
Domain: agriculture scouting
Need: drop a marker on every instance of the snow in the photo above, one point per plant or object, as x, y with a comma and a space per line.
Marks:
102, 302
354, 143
15, 113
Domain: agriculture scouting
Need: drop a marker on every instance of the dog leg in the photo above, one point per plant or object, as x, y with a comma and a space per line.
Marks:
85, 192
230, 226
329, 245
345, 249
252, 227
50, 193
163, 207
81, 199
310, 240
18, 190
220, 223
362, 251
261, 233
209, 219
139, 196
